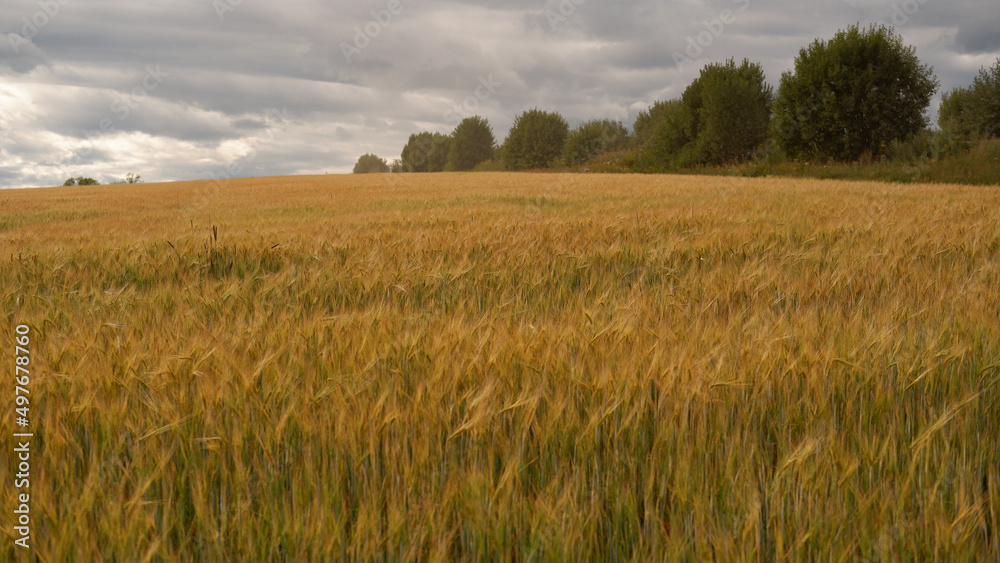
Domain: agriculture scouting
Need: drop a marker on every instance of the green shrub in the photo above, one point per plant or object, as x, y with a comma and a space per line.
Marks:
973, 112
426, 152
81, 181
592, 139
489, 166
536, 140
370, 163
472, 143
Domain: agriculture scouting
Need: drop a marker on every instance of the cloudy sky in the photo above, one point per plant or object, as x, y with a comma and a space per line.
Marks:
188, 89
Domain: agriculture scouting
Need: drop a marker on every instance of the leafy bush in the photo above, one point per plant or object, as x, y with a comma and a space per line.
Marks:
369, 164
81, 181
912, 151
535, 140
665, 133
979, 165
472, 143
426, 152
614, 162
954, 117
973, 112
594, 138
986, 101
647, 120
489, 166
130, 178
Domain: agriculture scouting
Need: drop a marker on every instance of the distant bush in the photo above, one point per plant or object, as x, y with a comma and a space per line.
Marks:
953, 118
979, 165
129, 178
426, 152
535, 140
489, 166
81, 181
647, 120
913, 151
973, 112
592, 139
370, 164
664, 131
472, 142
986, 100
613, 162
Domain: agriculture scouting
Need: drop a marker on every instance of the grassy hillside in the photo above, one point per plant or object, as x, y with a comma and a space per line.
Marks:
495, 366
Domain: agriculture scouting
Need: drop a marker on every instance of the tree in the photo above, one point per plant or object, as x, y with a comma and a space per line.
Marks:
973, 111
722, 116
535, 140
986, 101
426, 152
594, 138
852, 95
370, 164
130, 178
730, 110
649, 119
662, 133
472, 142
954, 117
81, 181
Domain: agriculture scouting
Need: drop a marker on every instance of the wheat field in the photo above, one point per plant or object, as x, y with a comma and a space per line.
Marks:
500, 366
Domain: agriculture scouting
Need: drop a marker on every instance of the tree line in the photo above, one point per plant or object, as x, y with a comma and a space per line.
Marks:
856, 96
130, 178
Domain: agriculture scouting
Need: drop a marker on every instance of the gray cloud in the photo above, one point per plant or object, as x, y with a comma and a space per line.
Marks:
19, 54
226, 72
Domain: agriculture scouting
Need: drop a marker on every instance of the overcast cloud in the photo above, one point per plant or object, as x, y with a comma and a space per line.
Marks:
183, 89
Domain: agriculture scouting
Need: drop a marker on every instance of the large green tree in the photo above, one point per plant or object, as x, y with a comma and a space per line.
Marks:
369, 164
472, 142
426, 152
535, 140
852, 96
593, 138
